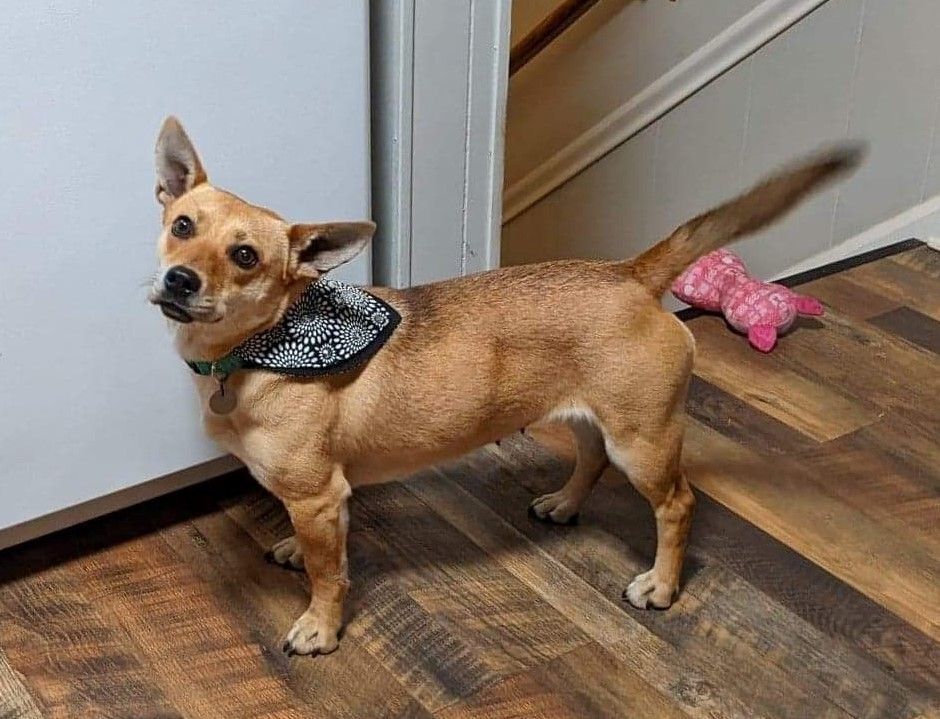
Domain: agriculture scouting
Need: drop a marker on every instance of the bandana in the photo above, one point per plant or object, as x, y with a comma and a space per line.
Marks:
333, 327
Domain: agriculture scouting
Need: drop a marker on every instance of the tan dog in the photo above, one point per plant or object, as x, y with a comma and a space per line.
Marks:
473, 360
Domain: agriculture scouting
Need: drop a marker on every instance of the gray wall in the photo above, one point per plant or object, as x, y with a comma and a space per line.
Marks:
93, 398
439, 99
851, 68
611, 54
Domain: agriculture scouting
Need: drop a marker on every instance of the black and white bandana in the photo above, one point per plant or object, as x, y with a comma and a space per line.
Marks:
331, 328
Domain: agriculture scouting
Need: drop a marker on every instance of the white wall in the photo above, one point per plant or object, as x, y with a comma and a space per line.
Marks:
93, 398
864, 69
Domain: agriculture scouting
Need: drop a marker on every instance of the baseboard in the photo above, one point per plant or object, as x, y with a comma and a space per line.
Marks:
848, 263
724, 51
922, 220
122, 499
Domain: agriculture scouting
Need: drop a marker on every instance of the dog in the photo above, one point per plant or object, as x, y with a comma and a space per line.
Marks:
472, 359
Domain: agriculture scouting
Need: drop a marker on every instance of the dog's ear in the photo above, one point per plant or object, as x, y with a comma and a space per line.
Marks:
316, 249
178, 167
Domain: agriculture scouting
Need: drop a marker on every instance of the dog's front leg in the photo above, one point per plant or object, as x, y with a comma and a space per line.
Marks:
321, 522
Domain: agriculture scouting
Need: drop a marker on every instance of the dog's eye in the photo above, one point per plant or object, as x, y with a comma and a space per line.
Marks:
244, 256
183, 227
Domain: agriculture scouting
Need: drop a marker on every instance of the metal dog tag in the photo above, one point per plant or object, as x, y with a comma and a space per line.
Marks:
222, 402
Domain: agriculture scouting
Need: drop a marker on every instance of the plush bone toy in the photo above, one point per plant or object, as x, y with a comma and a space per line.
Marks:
719, 282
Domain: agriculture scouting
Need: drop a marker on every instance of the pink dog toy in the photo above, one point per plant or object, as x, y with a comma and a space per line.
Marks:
719, 282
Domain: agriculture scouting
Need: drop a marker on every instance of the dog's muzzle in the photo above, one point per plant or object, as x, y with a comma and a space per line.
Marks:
180, 285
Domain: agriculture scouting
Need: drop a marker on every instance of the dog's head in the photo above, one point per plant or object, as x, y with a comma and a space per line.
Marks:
228, 268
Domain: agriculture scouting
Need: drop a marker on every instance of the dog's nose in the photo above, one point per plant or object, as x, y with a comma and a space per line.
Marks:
181, 282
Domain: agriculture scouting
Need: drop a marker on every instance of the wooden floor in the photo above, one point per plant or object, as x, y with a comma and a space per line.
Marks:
812, 587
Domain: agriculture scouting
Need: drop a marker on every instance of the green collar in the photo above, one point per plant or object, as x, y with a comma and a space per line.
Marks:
219, 368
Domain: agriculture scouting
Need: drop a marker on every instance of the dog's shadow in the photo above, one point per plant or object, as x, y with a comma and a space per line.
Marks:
459, 521
100, 534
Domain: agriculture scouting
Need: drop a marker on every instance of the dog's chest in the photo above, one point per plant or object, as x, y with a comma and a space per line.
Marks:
240, 433
251, 446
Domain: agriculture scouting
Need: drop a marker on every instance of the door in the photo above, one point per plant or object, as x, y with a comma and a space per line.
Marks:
92, 397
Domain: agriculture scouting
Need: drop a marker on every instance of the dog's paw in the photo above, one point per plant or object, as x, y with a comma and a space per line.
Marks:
287, 553
647, 590
311, 635
555, 507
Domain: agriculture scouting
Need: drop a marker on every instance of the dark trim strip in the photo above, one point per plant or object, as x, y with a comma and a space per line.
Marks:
690, 313
849, 262
543, 34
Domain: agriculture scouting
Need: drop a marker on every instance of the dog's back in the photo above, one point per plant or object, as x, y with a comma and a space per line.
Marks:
557, 337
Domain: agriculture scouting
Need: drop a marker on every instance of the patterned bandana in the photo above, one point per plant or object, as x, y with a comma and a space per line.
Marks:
331, 328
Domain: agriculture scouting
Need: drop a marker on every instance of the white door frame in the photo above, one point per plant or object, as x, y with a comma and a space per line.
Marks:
439, 74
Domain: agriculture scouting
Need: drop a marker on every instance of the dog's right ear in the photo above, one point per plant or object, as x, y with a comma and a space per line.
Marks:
178, 167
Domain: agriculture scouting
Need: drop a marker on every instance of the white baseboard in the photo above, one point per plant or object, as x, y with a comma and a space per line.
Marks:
921, 221
25, 531
727, 49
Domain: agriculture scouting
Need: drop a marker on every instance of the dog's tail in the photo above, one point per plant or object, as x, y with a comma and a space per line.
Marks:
659, 266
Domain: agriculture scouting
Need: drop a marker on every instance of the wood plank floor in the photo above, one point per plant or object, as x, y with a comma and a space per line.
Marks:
812, 587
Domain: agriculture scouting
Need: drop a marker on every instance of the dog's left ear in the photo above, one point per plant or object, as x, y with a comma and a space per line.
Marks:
315, 249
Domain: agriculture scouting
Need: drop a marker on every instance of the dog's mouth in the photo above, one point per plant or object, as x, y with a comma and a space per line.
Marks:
185, 314
174, 311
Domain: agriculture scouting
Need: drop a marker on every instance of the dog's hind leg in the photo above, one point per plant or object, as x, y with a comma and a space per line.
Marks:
651, 462
562, 507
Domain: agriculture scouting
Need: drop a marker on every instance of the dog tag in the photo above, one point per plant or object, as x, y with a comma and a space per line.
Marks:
222, 402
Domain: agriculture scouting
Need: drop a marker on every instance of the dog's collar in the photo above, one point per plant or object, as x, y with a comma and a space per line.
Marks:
332, 328
219, 368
